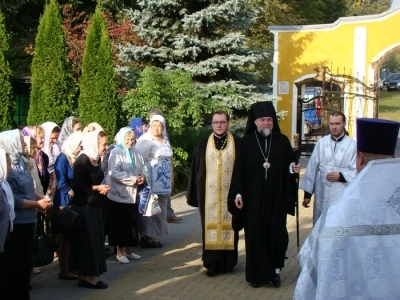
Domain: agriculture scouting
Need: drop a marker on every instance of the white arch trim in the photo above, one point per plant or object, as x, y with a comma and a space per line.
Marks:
340, 21
382, 53
371, 74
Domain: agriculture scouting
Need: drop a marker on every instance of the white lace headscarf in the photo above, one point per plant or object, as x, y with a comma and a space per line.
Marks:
54, 150
5, 186
71, 144
90, 144
92, 127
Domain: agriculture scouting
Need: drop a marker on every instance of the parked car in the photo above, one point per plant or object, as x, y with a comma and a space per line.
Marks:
387, 80
312, 109
394, 83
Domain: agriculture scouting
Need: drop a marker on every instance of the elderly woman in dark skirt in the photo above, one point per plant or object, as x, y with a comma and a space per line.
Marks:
87, 255
7, 213
19, 247
126, 170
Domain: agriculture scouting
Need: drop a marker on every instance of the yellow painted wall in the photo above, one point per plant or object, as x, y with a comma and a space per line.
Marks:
300, 51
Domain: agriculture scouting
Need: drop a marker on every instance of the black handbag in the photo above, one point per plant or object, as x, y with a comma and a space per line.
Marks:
71, 220
43, 248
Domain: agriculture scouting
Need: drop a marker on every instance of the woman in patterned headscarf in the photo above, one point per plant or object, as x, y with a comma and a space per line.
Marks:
71, 124
19, 250
41, 158
30, 152
87, 255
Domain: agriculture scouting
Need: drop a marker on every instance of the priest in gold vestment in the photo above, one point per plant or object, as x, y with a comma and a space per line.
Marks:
208, 188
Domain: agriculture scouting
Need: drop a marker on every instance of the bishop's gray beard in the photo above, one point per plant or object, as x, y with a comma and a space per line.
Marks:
265, 132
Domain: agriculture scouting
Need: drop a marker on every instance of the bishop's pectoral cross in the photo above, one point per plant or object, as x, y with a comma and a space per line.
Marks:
266, 165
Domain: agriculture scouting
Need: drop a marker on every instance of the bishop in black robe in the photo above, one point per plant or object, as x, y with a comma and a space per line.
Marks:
216, 261
267, 197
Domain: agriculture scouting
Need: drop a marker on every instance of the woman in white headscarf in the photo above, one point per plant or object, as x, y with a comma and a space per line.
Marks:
126, 169
19, 249
52, 149
157, 152
7, 213
64, 175
87, 255
92, 127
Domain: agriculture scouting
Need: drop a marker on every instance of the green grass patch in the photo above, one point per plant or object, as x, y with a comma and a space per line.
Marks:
389, 105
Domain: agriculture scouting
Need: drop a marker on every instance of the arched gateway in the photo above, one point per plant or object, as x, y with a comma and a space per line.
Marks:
319, 68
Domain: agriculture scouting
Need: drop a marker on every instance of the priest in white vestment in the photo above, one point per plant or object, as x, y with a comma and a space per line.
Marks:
332, 166
353, 251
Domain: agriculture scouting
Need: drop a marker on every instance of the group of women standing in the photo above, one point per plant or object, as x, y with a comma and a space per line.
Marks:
48, 165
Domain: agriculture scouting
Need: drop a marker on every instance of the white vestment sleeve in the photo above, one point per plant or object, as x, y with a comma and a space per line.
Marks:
351, 172
307, 184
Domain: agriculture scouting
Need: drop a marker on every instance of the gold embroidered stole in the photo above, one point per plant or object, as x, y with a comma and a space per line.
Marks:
218, 231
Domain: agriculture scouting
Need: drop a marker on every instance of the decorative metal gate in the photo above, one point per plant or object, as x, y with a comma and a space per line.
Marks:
322, 95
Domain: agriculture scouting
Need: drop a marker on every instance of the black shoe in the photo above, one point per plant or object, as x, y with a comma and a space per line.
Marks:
276, 281
255, 285
211, 272
62, 277
153, 244
99, 284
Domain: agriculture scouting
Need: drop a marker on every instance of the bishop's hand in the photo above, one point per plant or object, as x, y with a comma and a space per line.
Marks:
239, 202
296, 168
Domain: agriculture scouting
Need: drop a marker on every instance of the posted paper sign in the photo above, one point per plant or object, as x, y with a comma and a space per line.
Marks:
283, 87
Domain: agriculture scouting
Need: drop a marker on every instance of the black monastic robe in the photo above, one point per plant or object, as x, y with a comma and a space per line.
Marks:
266, 203
221, 260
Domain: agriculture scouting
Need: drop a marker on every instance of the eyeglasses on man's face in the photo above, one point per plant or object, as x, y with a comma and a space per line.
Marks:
219, 123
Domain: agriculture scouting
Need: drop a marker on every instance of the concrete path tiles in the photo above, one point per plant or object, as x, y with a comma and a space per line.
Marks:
176, 271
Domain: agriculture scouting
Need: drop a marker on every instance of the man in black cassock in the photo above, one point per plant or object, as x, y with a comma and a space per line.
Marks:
208, 188
262, 193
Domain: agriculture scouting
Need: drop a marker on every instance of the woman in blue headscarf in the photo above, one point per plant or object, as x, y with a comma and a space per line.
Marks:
126, 172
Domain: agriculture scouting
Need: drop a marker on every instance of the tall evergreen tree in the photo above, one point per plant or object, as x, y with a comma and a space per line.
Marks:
50, 79
204, 38
98, 91
6, 95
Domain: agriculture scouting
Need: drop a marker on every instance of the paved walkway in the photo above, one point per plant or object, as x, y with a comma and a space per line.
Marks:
175, 271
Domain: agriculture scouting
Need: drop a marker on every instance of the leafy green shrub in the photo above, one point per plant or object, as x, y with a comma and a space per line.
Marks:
175, 93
